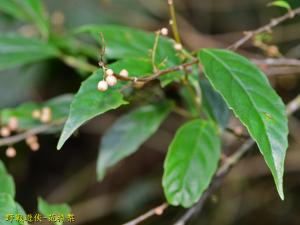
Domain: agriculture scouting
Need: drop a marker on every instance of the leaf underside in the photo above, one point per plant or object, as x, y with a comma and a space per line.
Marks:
128, 133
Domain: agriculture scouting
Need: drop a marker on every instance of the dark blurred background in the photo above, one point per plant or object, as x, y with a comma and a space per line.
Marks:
247, 196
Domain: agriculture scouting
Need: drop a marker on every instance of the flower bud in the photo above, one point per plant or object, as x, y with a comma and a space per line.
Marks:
109, 72
34, 146
102, 85
11, 152
46, 115
5, 132
164, 31
178, 46
13, 123
124, 73
111, 80
36, 114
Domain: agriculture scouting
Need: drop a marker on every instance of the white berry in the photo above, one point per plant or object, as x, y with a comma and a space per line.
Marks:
36, 114
35, 146
13, 123
5, 131
164, 31
11, 152
46, 115
124, 73
111, 80
178, 46
102, 85
109, 72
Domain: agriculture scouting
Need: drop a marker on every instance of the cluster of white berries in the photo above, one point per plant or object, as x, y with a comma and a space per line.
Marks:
44, 115
12, 125
110, 79
32, 142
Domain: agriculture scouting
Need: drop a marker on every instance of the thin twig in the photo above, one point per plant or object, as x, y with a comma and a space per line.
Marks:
155, 211
277, 62
154, 76
36, 130
265, 28
174, 21
293, 106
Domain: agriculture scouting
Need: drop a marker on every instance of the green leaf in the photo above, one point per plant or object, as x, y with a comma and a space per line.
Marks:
8, 207
2, 167
89, 102
214, 105
125, 42
49, 209
59, 107
191, 162
6, 181
281, 4
248, 93
128, 133
27, 10
10, 7
17, 50
7, 185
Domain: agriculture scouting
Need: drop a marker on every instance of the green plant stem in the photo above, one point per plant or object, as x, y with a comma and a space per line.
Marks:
174, 21
192, 93
153, 53
77, 63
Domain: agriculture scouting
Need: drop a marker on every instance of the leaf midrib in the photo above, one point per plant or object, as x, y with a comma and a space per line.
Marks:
202, 126
248, 96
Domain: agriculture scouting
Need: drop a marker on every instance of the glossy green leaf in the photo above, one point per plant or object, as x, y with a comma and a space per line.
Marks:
17, 50
57, 209
7, 185
2, 167
6, 181
248, 93
123, 42
281, 4
89, 102
191, 162
59, 107
214, 105
27, 10
128, 133
9, 209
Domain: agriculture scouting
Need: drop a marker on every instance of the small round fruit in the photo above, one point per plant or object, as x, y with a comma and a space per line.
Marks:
35, 146
31, 139
13, 123
164, 31
109, 72
46, 115
36, 114
124, 73
11, 152
102, 85
178, 46
111, 80
5, 132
